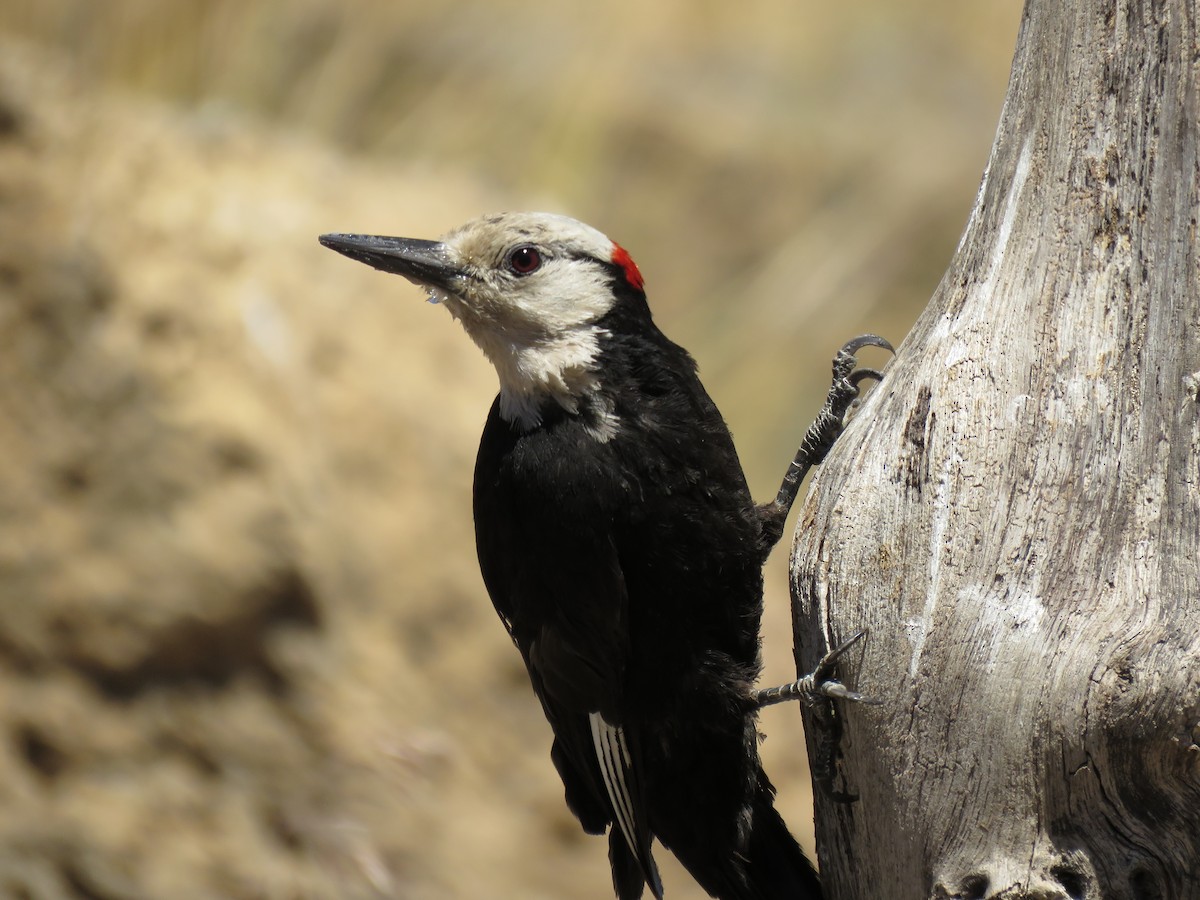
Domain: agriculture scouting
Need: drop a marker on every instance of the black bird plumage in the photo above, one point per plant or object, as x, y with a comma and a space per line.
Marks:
621, 548
629, 574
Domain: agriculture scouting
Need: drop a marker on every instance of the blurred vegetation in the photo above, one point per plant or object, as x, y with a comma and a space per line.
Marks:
244, 650
786, 173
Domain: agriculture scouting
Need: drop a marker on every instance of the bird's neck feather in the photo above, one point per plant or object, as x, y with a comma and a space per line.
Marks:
562, 369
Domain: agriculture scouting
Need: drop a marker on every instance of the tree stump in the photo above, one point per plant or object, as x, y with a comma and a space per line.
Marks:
1014, 514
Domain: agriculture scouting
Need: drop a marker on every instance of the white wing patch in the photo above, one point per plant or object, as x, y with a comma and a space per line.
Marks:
613, 753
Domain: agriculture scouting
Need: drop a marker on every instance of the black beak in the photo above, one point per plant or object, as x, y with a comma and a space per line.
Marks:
426, 263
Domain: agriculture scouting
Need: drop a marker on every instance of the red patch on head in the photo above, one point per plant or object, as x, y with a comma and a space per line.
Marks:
621, 257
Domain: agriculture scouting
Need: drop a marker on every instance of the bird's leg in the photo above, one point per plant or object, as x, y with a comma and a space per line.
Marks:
824, 430
818, 684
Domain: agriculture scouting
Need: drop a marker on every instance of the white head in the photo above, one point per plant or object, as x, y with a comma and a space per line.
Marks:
530, 289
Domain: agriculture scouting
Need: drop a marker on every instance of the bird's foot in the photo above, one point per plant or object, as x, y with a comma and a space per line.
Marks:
821, 434
817, 685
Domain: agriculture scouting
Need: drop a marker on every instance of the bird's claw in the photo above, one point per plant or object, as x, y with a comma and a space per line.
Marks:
821, 434
853, 345
860, 375
846, 373
835, 690
818, 684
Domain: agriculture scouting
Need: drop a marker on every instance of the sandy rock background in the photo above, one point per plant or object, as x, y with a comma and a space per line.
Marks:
244, 648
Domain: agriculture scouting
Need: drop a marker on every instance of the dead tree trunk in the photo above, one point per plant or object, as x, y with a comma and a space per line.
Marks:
1015, 513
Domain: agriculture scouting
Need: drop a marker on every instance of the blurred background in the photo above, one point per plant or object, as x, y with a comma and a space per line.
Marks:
244, 648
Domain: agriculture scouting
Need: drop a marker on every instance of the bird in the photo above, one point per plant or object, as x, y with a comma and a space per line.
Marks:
620, 546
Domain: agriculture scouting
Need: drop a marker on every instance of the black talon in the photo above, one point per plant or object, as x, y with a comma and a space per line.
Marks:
853, 345
829, 661
859, 375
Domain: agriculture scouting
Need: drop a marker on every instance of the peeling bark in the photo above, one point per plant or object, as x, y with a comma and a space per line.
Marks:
1015, 512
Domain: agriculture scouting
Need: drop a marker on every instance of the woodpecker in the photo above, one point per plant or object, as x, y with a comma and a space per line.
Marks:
620, 546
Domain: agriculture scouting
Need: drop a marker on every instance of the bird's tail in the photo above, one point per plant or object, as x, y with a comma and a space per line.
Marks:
630, 875
775, 867
767, 864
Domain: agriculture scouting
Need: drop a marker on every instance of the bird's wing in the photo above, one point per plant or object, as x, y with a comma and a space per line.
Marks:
545, 503
577, 663
618, 772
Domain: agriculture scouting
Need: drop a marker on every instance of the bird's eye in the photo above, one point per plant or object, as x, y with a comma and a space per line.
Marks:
524, 260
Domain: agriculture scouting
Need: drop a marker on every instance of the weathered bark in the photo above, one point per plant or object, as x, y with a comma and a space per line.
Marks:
1015, 513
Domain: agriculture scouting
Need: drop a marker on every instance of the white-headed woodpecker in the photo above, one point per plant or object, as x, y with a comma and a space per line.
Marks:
621, 548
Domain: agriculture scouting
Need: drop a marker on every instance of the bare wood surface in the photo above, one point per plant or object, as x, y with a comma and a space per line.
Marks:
1015, 512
